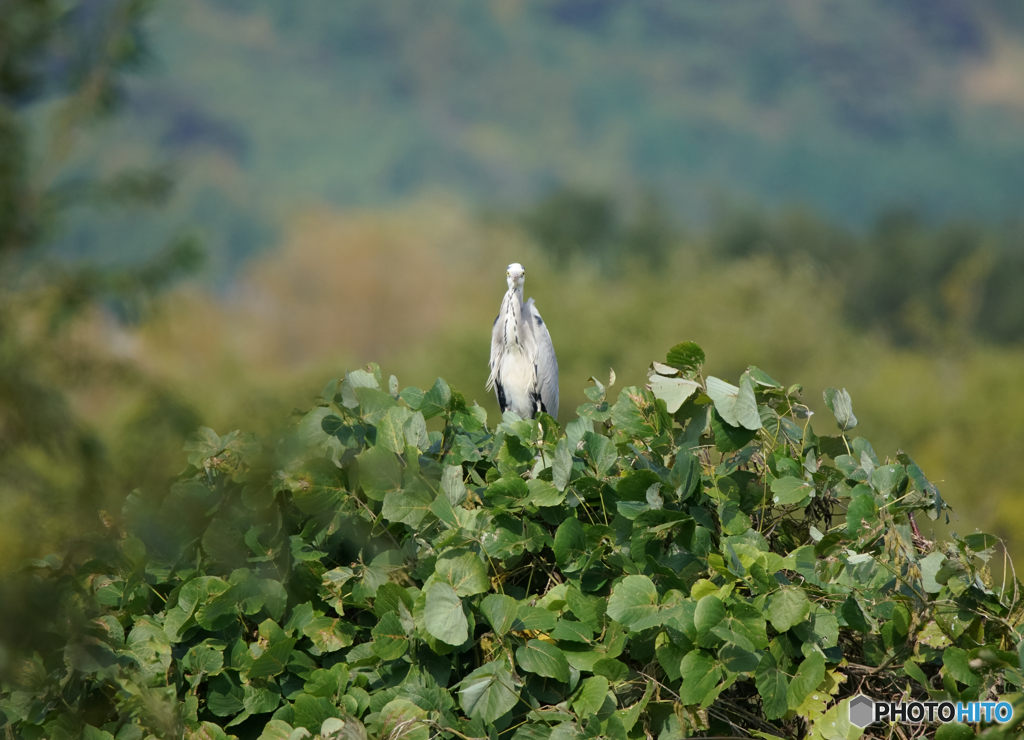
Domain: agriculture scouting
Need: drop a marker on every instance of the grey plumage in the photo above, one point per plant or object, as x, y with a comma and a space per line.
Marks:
524, 370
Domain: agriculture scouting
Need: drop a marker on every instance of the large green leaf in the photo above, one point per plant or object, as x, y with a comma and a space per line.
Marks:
773, 686
561, 469
601, 452
635, 413
808, 677
790, 490
273, 661
788, 607
379, 472
673, 391
589, 696
408, 505
736, 406
443, 615
543, 493
488, 692
633, 599
389, 638
391, 429
373, 404
544, 659
500, 611
710, 613
436, 400
700, 673
686, 356
463, 571
839, 403
570, 542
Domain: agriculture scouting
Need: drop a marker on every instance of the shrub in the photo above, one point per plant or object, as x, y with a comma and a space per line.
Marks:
690, 559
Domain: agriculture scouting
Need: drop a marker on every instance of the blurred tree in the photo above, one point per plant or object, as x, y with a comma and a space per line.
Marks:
61, 69
918, 283
569, 222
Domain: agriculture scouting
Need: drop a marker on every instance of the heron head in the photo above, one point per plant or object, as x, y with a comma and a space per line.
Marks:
515, 275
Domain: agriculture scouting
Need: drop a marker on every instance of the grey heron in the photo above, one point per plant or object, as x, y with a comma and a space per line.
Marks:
524, 371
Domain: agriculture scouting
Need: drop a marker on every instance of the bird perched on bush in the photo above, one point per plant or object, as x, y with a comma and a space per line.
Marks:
524, 371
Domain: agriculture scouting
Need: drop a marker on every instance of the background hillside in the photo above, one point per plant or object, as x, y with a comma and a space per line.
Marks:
828, 190
845, 108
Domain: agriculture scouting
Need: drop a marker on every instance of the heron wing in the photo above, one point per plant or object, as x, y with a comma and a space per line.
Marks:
497, 346
545, 361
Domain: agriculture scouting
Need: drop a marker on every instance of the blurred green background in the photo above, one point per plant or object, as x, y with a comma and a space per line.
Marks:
208, 208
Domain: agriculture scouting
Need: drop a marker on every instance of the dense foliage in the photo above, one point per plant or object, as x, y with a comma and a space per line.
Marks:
690, 558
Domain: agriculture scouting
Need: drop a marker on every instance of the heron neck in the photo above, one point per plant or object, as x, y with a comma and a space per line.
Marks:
513, 317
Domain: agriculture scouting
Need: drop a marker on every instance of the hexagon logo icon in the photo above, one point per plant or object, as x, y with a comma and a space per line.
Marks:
862, 711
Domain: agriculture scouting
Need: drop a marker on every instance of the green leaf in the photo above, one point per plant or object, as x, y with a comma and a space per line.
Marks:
736, 406
614, 670
709, 614
409, 505
534, 618
980, 542
633, 599
808, 677
273, 661
700, 675
380, 472
400, 718
685, 473
854, 614
543, 493
329, 634
443, 615
839, 403
788, 607
954, 731
790, 490
635, 413
589, 696
738, 659
391, 431
373, 404
203, 660
570, 543
224, 696
601, 451
463, 571
686, 356
572, 631
561, 469
312, 711
389, 638
258, 700
956, 662
861, 514
544, 659
415, 431
587, 609
389, 596
488, 692
500, 612
437, 400
276, 729
773, 686
673, 391
930, 566
743, 626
